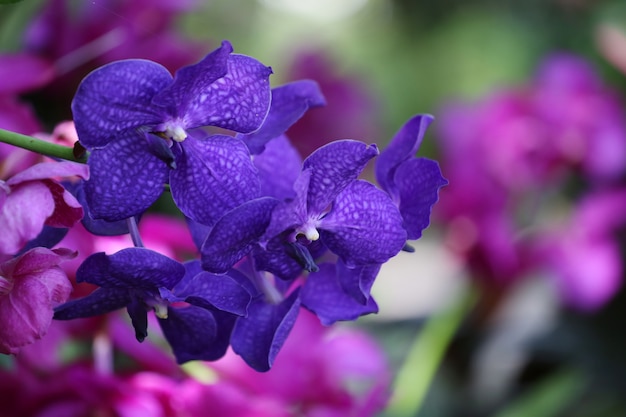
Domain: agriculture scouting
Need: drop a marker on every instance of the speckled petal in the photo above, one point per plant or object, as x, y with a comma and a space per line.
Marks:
259, 337
213, 176
364, 226
323, 295
116, 97
101, 301
403, 146
418, 182
289, 103
191, 82
126, 178
333, 167
219, 291
357, 282
234, 235
190, 331
131, 268
279, 166
238, 100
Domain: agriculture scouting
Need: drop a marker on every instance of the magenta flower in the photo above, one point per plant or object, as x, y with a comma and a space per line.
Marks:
583, 256
32, 199
30, 286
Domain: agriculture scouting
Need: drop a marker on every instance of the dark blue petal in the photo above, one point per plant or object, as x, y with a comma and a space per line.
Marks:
138, 313
289, 103
364, 226
97, 227
418, 182
136, 268
259, 337
357, 282
323, 295
190, 331
333, 167
279, 166
101, 301
125, 178
117, 97
275, 259
220, 291
191, 82
198, 231
47, 238
402, 147
234, 235
208, 94
213, 176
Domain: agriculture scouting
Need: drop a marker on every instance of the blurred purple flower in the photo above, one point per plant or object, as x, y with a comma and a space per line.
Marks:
32, 199
351, 109
30, 286
583, 257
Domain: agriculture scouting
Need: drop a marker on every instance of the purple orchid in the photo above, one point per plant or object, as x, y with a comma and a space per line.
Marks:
32, 199
351, 217
137, 120
142, 280
30, 286
413, 183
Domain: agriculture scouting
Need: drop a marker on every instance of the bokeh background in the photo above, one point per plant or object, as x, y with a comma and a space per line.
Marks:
464, 336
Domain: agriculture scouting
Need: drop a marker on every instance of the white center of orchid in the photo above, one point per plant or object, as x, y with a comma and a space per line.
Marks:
160, 310
310, 232
176, 133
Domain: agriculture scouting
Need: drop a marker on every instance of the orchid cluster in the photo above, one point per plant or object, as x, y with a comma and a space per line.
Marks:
274, 233
536, 178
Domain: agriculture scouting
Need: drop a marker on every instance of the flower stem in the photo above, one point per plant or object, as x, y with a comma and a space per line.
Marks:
134, 232
40, 146
425, 356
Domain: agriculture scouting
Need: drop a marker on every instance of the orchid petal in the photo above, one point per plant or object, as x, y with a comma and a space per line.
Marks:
259, 337
418, 182
126, 178
190, 331
117, 97
234, 235
333, 167
357, 282
101, 301
130, 268
220, 291
402, 147
278, 166
323, 295
364, 226
212, 177
289, 103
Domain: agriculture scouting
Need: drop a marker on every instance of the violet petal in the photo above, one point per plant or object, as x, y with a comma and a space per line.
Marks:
364, 226
126, 178
213, 176
333, 167
117, 97
259, 337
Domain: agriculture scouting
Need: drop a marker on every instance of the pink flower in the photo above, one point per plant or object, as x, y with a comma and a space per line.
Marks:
32, 199
30, 286
315, 371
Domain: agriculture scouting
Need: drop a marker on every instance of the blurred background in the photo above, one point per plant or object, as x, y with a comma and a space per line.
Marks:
512, 303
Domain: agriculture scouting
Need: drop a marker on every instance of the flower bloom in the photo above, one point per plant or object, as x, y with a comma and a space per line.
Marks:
137, 121
32, 198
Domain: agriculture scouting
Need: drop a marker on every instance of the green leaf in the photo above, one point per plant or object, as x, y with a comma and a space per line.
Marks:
9, 1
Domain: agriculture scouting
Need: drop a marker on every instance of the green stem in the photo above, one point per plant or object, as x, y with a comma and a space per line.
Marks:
420, 366
40, 146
